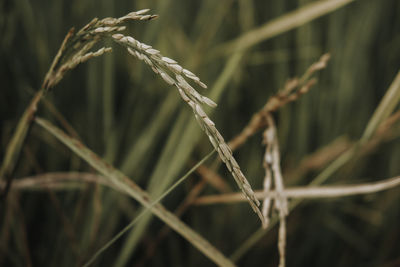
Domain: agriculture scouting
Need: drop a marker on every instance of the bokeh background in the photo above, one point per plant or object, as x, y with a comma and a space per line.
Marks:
131, 118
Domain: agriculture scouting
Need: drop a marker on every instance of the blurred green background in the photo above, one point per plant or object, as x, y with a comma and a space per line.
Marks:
130, 117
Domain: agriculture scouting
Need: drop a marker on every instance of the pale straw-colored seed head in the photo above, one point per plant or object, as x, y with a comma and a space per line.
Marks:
209, 102
199, 121
200, 111
140, 12
183, 82
109, 21
138, 55
234, 163
132, 52
154, 69
148, 61
225, 150
123, 40
153, 51
165, 65
192, 105
131, 40
188, 73
176, 68
99, 29
213, 142
221, 155
183, 95
219, 136
202, 84
145, 46
166, 77
209, 122
168, 60
229, 166
145, 17
117, 36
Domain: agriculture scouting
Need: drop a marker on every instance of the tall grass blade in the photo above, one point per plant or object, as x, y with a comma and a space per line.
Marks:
15, 145
284, 23
143, 212
122, 182
387, 105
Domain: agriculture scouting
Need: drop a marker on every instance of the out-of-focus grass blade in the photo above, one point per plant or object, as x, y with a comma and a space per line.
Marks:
15, 145
108, 94
283, 24
385, 108
143, 212
144, 146
388, 103
122, 182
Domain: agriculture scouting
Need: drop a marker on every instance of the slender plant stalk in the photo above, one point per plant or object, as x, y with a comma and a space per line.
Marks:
325, 173
282, 24
273, 174
292, 90
307, 192
143, 212
126, 185
14, 147
385, 108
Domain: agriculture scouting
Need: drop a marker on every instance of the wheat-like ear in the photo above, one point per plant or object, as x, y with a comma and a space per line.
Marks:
75, 47
174, 74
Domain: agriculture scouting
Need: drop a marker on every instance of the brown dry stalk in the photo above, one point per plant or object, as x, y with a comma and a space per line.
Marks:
307, 192
282, 239
55, 180
386, 125
292, 90
273, 174
14, 147
385, 132
272, 167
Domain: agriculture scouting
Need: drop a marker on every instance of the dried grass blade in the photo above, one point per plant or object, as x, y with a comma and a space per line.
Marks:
145, 211
282, 239
56, 178
15, 145
284, 23
385, 108
273, 168
292, 90
308, 192
122, 182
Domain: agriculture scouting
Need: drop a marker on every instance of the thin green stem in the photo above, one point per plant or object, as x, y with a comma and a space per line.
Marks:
145, 211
